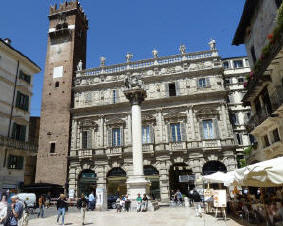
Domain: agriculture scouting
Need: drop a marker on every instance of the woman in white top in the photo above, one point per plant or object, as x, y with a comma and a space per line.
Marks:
3, 208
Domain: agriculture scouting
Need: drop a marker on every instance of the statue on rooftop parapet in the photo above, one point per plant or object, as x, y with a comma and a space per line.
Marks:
129, 56
80, 66
155, 53
212, 44
102, 61
182, 49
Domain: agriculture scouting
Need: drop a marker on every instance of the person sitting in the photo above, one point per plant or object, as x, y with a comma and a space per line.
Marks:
144, 203
139, 202
179, 198
127, 203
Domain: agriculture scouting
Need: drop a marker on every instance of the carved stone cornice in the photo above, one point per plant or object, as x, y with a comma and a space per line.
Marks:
115, 121
205, 112
87, 123
135, 96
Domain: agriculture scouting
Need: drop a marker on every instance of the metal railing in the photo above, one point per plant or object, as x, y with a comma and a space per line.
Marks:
12, 143
147, 63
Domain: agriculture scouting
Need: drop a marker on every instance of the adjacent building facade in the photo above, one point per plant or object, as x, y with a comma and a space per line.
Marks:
236, 70
260, 29
16, 80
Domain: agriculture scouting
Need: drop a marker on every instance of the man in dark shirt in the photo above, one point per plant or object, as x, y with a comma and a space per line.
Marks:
197, 201
82, 205
61, 207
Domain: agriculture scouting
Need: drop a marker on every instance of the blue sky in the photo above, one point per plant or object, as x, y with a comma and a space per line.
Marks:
119, 26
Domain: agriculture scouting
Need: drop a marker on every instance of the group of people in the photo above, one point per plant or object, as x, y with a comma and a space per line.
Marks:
12, 214
124, 203
194, 200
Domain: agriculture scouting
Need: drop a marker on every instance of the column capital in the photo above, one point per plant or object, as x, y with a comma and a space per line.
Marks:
135, 96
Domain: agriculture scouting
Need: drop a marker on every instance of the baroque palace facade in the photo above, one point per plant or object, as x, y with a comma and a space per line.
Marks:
186, 126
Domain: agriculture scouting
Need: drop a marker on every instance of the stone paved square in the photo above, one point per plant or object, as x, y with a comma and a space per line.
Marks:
164, 216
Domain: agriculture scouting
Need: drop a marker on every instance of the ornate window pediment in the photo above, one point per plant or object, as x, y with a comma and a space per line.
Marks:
207, 113
88, 124
115, 122
147, 118
175, 116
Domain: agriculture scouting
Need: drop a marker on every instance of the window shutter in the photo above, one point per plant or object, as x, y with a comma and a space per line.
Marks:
151, 134
201, 130
18, 99
169, 135
26, 103
89, 139
183, 132
177, 85
216, 130
22, 133
117, 95
121, 136
20, 162
14, 130
109, 133
166, 89
207, 81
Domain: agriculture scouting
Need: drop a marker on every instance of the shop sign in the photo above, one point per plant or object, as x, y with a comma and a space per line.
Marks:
219, 198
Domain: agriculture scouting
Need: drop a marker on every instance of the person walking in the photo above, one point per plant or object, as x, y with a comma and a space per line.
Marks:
197, 201
41, 205
3, 209
48, 199
179, 198
118, 204
139, 202
82, 205
191, 197
15, 213
61, 208
91, 201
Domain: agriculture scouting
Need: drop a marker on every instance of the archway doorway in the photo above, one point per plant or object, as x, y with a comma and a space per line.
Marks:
87, 182
175, 174
116, 182
152, 174
211, 167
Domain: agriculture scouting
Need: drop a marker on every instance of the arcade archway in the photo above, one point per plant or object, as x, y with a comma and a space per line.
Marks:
87, 182
152, 174
175, 178
116, 181
212, 167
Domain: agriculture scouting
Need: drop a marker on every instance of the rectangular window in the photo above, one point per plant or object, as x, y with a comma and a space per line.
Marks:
202, 83
172, 89
208, 132
266, 141
15, 162
241, 80
114, 95
252, 139
176, 132
257, 105
234, 119
19, 132
239, 138
227, 81
146, 134
238, 63
276, 136
226, 64
22, 101
25, 77
52, 147
247, 63
116, 137
84, 139
266, 101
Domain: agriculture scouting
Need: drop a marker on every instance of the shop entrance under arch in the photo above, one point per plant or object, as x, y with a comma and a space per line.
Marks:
116, 181
152, 174
177, 170
211, 167
87, 182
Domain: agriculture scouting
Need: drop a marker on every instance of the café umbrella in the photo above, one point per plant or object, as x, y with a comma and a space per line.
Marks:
263, 174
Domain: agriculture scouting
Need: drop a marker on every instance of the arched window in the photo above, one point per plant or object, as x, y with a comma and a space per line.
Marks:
212, 167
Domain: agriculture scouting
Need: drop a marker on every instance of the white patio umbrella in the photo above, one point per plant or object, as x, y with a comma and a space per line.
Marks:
263, 174
220, 177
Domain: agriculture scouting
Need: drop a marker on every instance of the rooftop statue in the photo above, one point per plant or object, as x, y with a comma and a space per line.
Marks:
102, 61
182, 49
133, 82
80, 66
155, 53
212, 44
129, 56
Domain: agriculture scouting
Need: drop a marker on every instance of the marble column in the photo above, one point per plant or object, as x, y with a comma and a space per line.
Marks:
137, 184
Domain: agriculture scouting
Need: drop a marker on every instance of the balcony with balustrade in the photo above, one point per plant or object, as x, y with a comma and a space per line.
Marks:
16, 144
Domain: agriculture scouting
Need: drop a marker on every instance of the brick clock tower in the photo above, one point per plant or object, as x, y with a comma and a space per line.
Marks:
67, 37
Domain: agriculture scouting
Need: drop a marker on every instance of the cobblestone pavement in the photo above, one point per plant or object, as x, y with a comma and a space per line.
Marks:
164, 216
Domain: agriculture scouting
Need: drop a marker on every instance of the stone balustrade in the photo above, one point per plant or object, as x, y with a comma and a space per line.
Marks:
150, 148
12, 143
142, 64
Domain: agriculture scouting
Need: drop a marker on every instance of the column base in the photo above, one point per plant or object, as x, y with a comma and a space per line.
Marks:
137, 185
